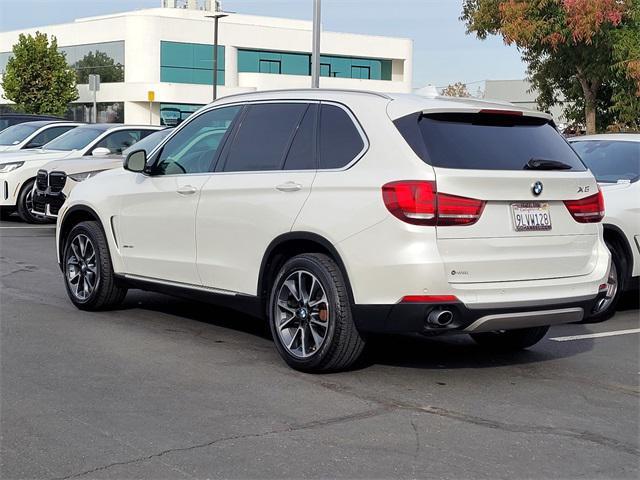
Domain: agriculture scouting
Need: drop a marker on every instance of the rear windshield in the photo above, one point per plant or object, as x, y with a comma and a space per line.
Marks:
485, 141
610, 161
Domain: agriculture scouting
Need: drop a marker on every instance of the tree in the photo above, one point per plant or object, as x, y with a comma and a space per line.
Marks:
99, 63
580, 52
37, 78
457, 89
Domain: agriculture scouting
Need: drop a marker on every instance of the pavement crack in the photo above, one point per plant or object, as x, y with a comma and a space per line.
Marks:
293, 428
582, 435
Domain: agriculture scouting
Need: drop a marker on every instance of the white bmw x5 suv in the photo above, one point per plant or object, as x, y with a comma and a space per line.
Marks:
336, 214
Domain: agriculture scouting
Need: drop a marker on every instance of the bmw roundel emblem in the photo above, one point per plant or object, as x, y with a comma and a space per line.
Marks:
537, 188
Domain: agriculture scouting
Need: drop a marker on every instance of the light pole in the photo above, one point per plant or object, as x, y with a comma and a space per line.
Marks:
216, 18
315, 49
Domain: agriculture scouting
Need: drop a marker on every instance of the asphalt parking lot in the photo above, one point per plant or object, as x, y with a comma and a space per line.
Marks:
165, 388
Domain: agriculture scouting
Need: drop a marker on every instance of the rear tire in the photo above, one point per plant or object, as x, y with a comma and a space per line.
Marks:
88, 272
310, 315
615, 284
25, 203
510, 340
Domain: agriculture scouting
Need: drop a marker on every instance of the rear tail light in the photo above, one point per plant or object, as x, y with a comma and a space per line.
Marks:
417, 202
587, 210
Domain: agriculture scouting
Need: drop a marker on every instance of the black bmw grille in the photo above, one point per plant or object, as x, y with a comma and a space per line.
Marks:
57, 181
41, 180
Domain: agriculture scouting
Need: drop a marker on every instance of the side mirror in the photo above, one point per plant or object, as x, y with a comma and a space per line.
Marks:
100, 152
136, 161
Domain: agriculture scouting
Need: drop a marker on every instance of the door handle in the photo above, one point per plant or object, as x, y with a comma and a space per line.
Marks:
289, 187
187, 190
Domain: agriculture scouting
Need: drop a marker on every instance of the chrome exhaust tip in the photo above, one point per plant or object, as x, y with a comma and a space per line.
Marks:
440, 318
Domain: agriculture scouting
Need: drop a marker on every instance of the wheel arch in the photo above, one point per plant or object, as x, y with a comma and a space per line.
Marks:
614, 234
73, 216
288, 245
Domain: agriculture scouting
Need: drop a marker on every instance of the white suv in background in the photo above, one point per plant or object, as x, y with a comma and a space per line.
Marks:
614, 159
335, 214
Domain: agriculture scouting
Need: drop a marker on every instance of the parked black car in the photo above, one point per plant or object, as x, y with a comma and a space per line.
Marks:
8, 119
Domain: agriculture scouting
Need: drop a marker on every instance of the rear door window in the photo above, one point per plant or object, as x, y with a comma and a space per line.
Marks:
48, 135
485, 141
340, 140
302, 154
264, 136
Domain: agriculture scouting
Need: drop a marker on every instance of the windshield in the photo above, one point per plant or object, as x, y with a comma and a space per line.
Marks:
75, 139
484, 141
609, 160
149, 142
16, 134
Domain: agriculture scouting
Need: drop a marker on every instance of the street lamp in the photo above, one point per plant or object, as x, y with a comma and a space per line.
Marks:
216, 18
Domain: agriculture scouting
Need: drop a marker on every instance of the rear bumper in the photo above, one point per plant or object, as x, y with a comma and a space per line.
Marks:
412, 317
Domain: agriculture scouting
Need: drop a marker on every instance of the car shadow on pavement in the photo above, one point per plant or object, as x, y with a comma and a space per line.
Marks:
208, 313
445, 352
460, 351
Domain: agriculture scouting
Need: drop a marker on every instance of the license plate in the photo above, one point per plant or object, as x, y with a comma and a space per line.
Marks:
531, 217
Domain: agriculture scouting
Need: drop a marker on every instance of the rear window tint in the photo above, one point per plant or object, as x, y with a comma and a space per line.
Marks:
485, 141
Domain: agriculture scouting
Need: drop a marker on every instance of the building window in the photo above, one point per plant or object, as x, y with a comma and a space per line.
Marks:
270, 66
288, 63
108, 112
172, 114
190, 63
358, 71
105, 59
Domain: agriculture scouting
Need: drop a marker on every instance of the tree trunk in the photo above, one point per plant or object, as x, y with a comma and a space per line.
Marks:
590, 90
590, 116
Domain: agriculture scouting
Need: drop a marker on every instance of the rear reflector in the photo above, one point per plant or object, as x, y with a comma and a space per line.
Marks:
587, 210
417, 202
429, 299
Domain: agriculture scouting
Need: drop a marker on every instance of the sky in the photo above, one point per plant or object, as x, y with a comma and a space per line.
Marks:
443, 53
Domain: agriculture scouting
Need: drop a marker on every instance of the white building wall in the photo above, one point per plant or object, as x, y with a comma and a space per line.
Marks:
142, 31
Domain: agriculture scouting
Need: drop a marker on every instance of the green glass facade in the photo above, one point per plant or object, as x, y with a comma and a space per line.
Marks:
190, 63
285, 63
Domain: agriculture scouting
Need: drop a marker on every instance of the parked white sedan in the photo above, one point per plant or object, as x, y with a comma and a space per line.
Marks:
614, 159
18, 170
33, 134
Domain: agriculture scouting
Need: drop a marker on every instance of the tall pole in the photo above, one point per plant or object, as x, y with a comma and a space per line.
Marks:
215, 58
315, 50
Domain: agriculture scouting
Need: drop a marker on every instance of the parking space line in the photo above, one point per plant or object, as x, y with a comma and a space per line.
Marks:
31, 227
596, 335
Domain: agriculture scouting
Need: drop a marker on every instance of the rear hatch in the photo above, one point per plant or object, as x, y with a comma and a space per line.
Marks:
524, 172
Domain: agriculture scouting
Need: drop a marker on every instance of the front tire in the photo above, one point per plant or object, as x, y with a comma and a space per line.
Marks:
25, 204
88, 272
310, 315
510, 340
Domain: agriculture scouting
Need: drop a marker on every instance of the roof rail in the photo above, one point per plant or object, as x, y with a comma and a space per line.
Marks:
309, 90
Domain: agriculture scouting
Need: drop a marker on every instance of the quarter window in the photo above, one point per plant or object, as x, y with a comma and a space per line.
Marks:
193, 148
340, 140
264, 137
